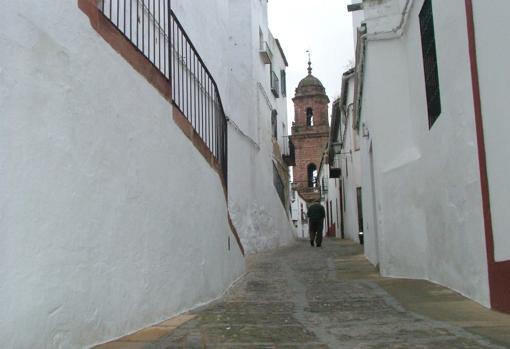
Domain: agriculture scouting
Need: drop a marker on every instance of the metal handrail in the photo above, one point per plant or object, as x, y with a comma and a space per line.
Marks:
196, 94
154, 30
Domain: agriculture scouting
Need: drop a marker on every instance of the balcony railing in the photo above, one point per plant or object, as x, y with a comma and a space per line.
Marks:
154, 30
335, 166
304, 187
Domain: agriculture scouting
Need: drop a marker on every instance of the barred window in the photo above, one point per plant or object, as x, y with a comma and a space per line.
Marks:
428, 43
283, 80
274, 123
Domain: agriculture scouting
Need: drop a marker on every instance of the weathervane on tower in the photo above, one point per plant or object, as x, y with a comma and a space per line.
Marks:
309, 62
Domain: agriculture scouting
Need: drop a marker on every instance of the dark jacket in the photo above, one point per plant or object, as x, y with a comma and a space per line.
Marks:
316, 213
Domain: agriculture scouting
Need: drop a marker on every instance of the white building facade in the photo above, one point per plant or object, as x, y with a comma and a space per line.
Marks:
299, 217
259, 115
429, 105
345, 161
113, 218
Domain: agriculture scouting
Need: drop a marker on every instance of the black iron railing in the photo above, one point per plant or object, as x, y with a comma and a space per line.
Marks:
335, 165
146, 24
306, 187
154, 30
196, 94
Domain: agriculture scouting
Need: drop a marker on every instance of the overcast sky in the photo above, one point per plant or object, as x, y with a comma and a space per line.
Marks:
322, 26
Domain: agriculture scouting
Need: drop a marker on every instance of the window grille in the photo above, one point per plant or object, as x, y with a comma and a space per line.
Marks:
283, 80
274, 123
428, 42
275, 84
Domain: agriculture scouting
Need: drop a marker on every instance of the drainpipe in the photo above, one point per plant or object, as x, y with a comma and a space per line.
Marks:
392, 34
396, 32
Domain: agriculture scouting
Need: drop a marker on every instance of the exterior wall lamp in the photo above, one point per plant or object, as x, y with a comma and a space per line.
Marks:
364, 131
337, 147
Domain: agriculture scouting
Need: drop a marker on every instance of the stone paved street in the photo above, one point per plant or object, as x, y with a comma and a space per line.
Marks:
303, 297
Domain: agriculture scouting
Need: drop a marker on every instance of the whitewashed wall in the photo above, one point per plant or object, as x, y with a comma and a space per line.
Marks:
351, 168
334, 197
428, 209
256, 209
99, 225
493, 53
231, 49
370, 201
299, 217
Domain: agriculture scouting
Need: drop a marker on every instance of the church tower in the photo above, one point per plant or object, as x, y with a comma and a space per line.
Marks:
310, 134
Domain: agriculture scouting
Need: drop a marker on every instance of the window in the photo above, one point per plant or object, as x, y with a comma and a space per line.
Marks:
283, 81
428, 46
275, 84
309, 117
274, 123
312, 175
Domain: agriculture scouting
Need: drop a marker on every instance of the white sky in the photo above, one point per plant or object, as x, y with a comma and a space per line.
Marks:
322, 26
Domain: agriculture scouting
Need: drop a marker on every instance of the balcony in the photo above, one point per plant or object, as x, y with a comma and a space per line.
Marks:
335, 165
308, 191
265, 53
289, 151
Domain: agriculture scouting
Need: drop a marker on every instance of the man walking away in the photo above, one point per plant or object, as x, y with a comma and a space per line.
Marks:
316, 214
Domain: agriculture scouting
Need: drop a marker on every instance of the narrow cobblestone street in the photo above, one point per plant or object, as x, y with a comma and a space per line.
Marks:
303, 297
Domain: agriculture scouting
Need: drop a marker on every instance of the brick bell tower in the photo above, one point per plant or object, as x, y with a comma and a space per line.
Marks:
310, 134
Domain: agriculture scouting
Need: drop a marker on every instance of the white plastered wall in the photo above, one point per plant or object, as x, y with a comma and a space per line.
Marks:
299, 210
427, 183
333, 196
231, 49
257, 212
110, 219
351, 168
493, 53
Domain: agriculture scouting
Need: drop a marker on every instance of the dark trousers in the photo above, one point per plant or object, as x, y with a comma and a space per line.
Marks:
315, 231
